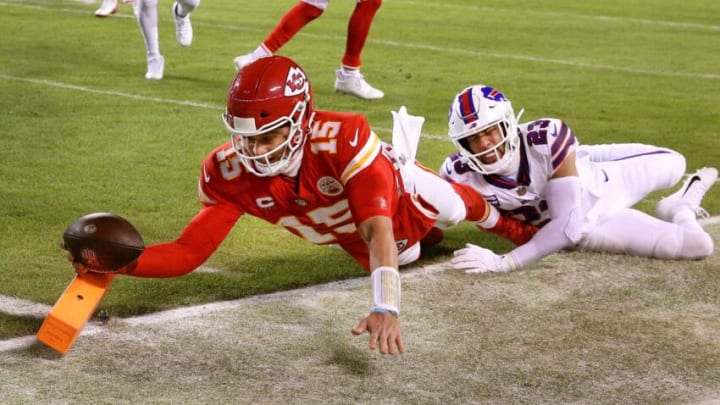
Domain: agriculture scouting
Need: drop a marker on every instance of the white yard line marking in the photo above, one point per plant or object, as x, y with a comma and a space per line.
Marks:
208, 269
442, 6
198, 310
90, 329
67, 86
217, 107
21, 307
527, 58
708, 76
564, 16
711, 220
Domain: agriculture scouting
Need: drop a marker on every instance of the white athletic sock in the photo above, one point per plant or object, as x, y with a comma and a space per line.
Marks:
260, 52
349, 72
147, 18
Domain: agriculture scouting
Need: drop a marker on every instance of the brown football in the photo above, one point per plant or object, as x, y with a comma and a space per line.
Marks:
103, 242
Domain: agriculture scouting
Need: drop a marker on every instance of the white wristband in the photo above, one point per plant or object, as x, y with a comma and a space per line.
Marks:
386, 290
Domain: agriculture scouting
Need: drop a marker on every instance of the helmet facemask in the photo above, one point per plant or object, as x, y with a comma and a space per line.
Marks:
269, 163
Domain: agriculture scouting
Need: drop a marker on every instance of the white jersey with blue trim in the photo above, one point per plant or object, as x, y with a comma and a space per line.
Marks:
544, 145
614, 177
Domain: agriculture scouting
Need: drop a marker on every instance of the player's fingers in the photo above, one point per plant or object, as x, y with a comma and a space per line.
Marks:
400, 344
385, 344
360, 328
374, 339
394, 343
79, 268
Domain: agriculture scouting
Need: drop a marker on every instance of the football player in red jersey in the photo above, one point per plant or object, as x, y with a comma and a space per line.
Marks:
348, 78
326, 177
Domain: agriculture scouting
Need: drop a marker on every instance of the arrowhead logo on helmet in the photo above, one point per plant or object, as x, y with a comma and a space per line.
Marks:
296, 82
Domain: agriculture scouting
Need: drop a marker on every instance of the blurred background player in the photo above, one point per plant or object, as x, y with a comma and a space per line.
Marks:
578, 195
108, 7
147, 18
348, 78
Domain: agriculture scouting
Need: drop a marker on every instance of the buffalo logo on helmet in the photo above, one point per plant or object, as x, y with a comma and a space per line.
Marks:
296, 82
493, 94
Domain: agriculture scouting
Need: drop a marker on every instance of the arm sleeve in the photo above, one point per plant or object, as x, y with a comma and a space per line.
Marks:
200, 238
563, 229
370, 192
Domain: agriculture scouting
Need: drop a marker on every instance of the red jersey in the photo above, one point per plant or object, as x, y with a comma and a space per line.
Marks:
346, 176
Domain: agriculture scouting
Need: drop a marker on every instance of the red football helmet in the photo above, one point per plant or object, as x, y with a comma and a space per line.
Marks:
265, 95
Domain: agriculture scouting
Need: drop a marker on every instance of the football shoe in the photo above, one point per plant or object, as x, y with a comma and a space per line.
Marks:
107, 8
689, 195
155, 67
183, 27
356, 85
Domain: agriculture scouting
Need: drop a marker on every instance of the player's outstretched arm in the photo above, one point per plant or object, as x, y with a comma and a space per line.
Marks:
382, 323
200, 238
563, 193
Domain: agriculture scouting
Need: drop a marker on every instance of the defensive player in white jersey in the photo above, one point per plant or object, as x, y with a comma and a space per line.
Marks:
578, 195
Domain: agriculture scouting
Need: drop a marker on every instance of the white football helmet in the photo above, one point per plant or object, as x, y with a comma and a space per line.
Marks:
265, 95
475, 109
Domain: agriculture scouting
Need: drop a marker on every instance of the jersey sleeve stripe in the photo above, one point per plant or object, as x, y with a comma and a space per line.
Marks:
561, 145
362, 159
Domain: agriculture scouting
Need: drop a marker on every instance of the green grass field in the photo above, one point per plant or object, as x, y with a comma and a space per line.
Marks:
82, 131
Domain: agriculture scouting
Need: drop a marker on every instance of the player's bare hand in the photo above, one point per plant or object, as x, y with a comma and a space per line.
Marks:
79, 268
385, 334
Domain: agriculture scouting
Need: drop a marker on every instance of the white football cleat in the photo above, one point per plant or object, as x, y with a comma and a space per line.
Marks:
156, 66
107, 8
356, 85
183, 28
690, 194
243, 60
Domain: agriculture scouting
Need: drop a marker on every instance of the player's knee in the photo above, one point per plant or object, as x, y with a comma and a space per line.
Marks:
451, 213
676, 163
